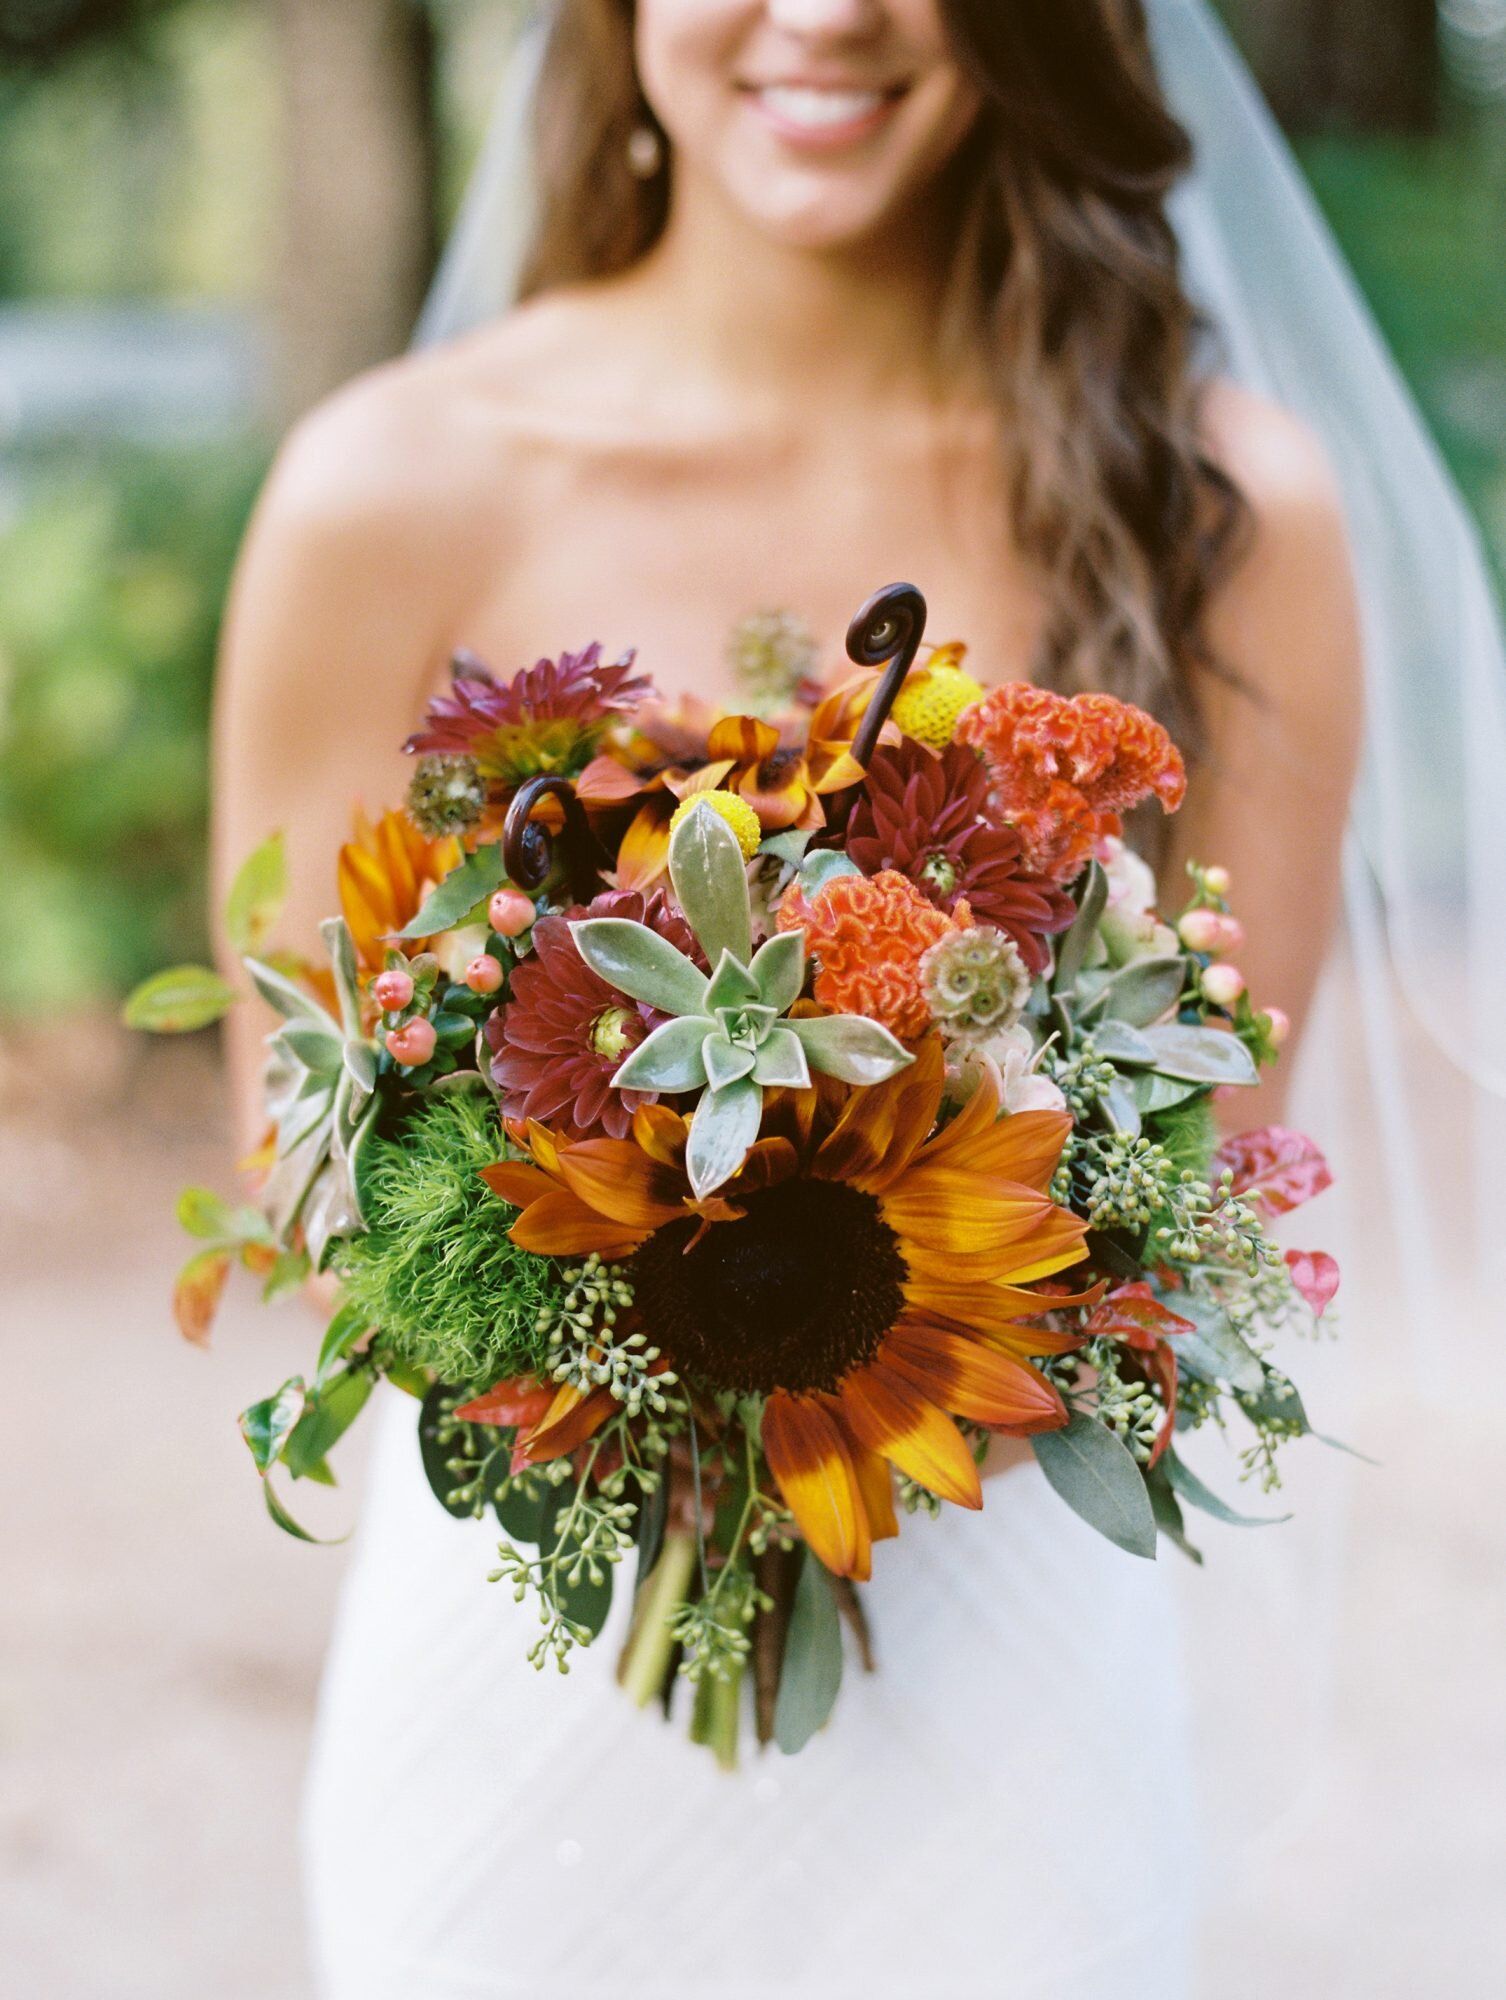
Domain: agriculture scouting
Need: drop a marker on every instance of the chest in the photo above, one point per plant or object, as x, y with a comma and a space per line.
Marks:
668, 555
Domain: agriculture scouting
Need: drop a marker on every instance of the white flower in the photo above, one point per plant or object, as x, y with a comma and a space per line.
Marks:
1132, 885
1131, 928
1010, 1058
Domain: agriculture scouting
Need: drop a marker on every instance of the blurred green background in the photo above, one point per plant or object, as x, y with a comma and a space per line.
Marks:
211, 211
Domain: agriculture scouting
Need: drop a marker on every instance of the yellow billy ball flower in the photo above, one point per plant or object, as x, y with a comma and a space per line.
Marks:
933, 698
736, 811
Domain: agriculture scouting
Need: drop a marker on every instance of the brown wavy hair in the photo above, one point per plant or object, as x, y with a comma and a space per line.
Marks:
1064, 278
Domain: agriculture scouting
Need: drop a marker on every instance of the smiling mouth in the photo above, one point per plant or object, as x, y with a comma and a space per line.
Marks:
822, 114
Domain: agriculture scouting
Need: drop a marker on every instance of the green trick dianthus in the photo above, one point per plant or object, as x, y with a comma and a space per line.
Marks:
435, 1270
1188, 1133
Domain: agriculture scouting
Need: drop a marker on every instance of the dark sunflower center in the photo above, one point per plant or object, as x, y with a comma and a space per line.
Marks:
794, 1295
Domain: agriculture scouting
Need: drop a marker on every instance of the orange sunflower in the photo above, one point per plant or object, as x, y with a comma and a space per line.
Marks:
385, 873
865, 1278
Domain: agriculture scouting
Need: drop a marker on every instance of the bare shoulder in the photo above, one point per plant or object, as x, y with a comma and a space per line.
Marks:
1289, 602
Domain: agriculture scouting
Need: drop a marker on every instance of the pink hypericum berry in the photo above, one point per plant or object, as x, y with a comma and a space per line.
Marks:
511, 912
413, 1043
1278, 1024
1200, 930
1218, 881
483, 974
1223, 984
1231, 934
393, 990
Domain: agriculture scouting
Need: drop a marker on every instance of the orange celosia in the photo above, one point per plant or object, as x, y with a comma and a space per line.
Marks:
868, 935
1065, 767
385, 873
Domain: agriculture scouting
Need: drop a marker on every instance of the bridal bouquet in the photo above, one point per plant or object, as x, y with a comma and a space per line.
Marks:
724, 1128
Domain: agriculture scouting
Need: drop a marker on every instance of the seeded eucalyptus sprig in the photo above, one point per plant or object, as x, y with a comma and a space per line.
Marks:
727, 1036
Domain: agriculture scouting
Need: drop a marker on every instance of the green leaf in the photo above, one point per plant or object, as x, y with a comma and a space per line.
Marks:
453, 1030
711, 883
641, 964
288, 998
732, 985
669, 1059
726, 1062
789, 846
778, 970
850, 1047
256, 897
1155, 1093
810, 1676
326, 1420
1143, 993
1072, 952
1098, 1478
203, 1214
179, 1000
268, 1425
320, 1051
823, 867
524, 1507
459, 893
1124, 1113
1117, 1042
1169, 1514
653, 1519
289, 1526
723, 1128
1215, 1352
360, 1060
287, 1276
340, 1336
1274, 1399
781, 1062
341, 947
1201, 1055
1196, 1494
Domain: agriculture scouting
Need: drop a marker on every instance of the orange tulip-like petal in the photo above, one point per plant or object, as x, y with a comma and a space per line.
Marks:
890, 1415
974, 1381
809, 1458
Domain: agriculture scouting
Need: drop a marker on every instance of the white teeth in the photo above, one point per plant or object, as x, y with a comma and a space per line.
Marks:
817, 109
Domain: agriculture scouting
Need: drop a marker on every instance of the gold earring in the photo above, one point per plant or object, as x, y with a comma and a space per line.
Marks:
645, 152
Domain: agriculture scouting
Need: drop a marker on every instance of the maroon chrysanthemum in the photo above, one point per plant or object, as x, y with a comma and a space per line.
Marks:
549, 717
927, 817
564, 1033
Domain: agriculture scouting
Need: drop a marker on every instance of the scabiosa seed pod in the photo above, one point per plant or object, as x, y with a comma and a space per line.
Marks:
446, 795
975, 982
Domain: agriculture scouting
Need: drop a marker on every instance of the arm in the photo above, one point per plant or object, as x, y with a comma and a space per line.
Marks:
1271, 796
331, 639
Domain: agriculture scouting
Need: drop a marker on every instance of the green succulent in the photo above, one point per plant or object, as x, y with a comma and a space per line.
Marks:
320, 1095
727, 1036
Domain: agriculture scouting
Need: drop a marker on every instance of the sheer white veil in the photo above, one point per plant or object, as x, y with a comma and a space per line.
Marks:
1409, 1056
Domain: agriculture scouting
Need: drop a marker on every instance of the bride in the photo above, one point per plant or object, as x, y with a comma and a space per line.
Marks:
819, 293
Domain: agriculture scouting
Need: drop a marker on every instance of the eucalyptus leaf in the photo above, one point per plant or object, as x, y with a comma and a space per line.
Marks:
810, 1675
1143, 992
778, 970
822, 867
1123, 1111
1117, 1041
850, 1047
458, 894
1201, 1055
1168, 1513
524, 1507
1161, 1093
1215, 1352
668, 1059
711, 884
1098, 1478
724, 1127
1072, 952
256, 897
178, 1001
1274, 1399
1196, 1494
782, 1062
641, 964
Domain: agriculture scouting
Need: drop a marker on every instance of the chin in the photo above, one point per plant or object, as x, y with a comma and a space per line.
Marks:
826, 214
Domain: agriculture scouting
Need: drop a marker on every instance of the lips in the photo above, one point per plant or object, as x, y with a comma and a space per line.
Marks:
822, 115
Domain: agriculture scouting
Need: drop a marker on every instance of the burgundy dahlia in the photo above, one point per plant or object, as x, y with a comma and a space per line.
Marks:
561, 1037
926, 816
549, 717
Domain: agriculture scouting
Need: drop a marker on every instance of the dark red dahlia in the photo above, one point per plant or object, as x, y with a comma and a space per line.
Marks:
926, 816
549, 717
562, 1036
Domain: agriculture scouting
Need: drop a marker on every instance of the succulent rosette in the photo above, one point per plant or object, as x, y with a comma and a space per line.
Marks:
851, 1107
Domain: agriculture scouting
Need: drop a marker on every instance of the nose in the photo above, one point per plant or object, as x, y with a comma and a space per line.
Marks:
826, 19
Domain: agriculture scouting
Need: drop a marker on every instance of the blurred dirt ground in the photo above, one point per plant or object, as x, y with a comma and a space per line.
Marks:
162, 1641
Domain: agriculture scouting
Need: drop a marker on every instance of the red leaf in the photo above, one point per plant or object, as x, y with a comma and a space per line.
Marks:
1274, 1168
521, 1401
1161, 1366
197, 1294
1316, 1276
1133, 1314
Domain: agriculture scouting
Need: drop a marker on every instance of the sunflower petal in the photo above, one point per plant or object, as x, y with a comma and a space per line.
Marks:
573, 1416
890, 1415
809, 1458
516, 1182
643, 854
620, 1181
974, 1381
876, 1489
560, 1224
